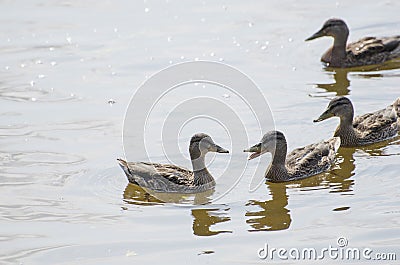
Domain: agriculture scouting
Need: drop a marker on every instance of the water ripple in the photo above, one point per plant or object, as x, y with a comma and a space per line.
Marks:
10, 258
26, 93
39, 158
43, 131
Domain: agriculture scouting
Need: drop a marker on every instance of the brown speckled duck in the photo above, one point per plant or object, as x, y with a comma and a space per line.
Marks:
366, 51
365, 129
300, 163
175, 179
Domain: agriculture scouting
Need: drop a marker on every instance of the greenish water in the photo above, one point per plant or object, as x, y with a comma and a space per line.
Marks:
64, 200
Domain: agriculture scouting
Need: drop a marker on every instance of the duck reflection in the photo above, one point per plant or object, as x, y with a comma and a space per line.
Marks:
339, 179
270, 215
341, 85
205, 218
273, 214
380, 148
134, 194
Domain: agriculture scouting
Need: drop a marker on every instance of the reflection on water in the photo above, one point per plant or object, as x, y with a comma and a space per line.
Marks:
205, 218
381, 148
339, 178
341, 85
134, 194
273, 214
270, 215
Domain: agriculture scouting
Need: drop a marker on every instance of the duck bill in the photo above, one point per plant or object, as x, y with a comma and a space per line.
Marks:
255, 151
324, 116
219, 149
316, 35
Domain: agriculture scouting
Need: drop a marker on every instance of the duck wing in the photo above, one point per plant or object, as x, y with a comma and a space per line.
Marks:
312, 159
381, 124
391, 44
369, 46
158, 177
176, 174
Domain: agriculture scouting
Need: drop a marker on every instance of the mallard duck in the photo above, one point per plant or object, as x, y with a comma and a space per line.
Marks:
300, 163
171, 178
366, 51
365, 129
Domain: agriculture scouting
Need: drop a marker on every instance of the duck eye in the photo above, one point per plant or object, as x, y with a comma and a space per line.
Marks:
329, 25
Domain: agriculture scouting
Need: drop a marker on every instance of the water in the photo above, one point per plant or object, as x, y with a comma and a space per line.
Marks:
68, 70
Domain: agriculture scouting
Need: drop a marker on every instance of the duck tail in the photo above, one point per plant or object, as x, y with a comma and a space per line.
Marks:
124, 165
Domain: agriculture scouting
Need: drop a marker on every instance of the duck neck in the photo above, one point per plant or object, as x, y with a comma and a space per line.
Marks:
339, 50
345, 130
200, 172
277, 171
279, 155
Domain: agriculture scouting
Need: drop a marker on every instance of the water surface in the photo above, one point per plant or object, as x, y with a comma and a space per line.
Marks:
67, 72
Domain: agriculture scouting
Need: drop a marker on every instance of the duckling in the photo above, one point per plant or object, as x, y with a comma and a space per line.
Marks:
366, 51
365, 129
300, 163
172, 178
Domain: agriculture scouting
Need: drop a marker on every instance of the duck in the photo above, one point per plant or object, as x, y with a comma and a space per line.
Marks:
366, 51
365, 129
301, 163
175, 179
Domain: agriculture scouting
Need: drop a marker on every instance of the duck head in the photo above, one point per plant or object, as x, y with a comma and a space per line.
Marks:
268, 144
333, 27
338, 106
201, 144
